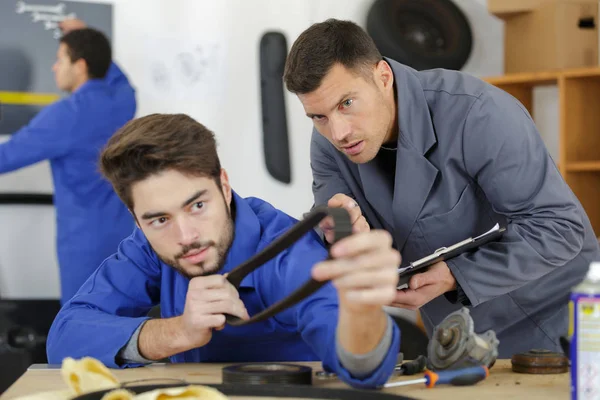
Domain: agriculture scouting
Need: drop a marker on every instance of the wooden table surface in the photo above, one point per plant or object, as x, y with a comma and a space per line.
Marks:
501, 384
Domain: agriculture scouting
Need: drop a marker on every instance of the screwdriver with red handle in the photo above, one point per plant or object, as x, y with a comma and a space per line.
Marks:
456, 377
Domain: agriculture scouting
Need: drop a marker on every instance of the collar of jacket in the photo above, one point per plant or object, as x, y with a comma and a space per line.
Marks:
399, 204
415, 129
247, 235
91, 84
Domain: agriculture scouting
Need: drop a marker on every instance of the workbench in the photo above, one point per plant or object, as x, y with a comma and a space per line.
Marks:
501, 384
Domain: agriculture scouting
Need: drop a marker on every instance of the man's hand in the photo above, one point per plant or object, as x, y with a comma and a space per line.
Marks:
71, 24
426, 286
364, 270
208, 298
359, 223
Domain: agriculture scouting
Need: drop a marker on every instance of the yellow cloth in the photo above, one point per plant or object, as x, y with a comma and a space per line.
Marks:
87, 375
90, 375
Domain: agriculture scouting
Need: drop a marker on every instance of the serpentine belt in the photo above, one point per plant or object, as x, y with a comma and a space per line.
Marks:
342, 227
276, 379
269, 391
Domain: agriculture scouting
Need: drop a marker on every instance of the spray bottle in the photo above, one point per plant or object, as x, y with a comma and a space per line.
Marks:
584, 332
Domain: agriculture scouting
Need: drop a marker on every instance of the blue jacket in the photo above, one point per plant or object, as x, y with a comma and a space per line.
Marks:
90, 219
110, 306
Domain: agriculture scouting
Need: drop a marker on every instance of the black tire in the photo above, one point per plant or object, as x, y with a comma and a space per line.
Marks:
423, 34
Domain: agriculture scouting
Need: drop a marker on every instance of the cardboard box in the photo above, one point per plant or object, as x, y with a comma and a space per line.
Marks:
542, 35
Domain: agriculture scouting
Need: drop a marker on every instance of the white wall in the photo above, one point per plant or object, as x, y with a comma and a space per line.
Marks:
224, 35
230, 104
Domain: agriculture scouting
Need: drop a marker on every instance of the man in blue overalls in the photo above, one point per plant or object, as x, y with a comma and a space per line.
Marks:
193, 229
90, 218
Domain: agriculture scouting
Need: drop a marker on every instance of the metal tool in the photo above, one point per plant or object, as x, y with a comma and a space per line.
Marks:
413, 367
454, 343
455, 377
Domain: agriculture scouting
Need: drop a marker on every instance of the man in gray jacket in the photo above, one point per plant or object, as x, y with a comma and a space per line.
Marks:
435, 157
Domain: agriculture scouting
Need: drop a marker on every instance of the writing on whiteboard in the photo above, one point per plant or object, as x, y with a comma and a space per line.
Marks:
48, 15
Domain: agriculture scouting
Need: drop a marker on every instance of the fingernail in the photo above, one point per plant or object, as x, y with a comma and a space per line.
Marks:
352, 204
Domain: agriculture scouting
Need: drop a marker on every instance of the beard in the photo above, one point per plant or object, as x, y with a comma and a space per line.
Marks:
222, 247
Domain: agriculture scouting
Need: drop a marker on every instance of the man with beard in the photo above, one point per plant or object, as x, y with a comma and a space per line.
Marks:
193, 229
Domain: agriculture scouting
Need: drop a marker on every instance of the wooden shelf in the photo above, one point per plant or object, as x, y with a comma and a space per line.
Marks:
579, 126
584, 166
542, 77
527, 79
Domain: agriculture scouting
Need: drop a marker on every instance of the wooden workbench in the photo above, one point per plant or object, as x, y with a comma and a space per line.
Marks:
501, 384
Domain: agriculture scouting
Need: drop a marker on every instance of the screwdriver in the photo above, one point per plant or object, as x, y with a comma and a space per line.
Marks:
412, 367
456, 377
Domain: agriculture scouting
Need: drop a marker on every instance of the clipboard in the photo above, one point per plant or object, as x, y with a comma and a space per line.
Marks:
446, 253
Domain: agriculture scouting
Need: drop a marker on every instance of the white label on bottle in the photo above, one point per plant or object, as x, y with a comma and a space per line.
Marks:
588, 348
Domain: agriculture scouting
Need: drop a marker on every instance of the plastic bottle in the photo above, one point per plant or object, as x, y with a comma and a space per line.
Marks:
584, 331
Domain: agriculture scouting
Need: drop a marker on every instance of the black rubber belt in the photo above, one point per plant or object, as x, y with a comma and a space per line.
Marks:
277, 391
342, 228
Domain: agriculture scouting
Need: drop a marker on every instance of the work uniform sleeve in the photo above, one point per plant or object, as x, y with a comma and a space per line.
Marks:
48, 135
106, 311
115, 76
316, 318
505, 155
327, 179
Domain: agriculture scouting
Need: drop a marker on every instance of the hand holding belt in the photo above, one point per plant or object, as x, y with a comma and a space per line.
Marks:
342, 228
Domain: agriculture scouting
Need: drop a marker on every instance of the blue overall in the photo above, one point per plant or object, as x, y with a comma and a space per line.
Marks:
90, 219
102, 317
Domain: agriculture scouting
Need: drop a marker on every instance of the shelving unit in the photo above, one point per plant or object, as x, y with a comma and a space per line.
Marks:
579, 130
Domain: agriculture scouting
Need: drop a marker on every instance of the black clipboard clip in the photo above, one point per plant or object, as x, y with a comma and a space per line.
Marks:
446, 253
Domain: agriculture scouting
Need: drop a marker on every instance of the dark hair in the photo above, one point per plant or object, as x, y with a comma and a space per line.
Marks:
321, 46
91, 46
148, 145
